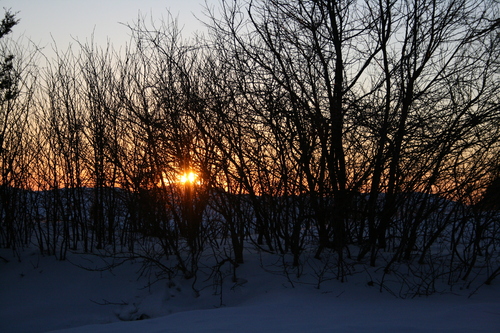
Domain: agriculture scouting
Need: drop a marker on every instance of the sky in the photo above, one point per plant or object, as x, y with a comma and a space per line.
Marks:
62, 22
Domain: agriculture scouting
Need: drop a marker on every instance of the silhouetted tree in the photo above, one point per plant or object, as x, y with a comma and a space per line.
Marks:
354, 95
13, 120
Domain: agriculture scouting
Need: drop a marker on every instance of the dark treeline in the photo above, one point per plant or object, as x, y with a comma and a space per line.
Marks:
364, 131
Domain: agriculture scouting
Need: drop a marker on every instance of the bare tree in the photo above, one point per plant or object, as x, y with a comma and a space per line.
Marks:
16, 92
354, 93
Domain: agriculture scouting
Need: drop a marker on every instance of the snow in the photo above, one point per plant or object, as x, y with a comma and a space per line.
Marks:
41, 294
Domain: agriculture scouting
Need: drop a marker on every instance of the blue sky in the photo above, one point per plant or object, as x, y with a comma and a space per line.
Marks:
65, 21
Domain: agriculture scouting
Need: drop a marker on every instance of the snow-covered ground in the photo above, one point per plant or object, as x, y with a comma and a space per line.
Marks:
41, 294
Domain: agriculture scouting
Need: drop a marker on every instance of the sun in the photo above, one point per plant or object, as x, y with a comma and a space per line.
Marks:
188, 177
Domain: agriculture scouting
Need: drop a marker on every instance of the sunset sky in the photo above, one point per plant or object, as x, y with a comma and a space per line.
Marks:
64, 21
